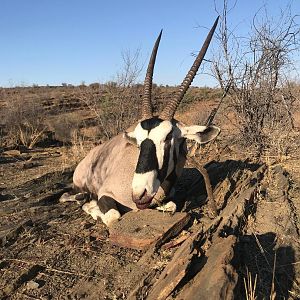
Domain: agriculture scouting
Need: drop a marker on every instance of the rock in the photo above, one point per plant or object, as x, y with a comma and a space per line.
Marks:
31, 164
32, 285
138, 230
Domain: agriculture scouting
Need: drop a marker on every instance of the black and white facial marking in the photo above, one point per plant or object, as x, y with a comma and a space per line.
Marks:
159, 142
155, 139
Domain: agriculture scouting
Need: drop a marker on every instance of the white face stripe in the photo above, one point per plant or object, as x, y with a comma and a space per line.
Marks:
140, 134
146, 181
160, 132
157, 135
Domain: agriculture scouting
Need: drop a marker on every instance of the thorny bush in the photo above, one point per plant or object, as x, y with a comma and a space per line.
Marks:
23, 119
257, 70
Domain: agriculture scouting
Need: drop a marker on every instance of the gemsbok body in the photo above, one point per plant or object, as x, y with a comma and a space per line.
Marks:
138, 169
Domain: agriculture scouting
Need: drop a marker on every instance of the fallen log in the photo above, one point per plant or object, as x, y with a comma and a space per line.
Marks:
217, 278
178, 267
219, 252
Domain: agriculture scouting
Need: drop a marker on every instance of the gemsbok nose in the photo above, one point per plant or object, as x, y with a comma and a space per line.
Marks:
142, 201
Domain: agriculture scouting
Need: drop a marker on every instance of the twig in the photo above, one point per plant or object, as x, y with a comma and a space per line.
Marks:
48, 268
215, 110
176, 242
273, 293
210, 195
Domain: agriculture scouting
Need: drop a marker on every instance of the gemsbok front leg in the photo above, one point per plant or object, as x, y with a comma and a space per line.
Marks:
105, 209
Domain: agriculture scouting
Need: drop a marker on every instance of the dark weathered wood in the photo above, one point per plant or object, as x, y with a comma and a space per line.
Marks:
218, 278
213, 212
178, 267
143, 286
219, 254
174, 271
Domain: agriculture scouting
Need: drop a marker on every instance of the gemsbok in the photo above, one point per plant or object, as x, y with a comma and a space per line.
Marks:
138, 169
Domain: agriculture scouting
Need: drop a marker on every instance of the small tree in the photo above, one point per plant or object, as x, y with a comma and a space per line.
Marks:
257, 69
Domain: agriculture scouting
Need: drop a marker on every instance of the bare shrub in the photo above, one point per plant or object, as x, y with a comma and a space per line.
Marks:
2, 137
116, 104
64, 127
75, 152
23, 119
95, 85
131, 69
79, 147
257, 69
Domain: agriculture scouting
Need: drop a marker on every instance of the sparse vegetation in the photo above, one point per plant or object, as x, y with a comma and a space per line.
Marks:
250, 251
23, 119
64, 127
257, 68
57, 112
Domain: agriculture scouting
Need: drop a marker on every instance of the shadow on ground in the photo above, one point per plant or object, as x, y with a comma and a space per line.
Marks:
262, 257
191, 183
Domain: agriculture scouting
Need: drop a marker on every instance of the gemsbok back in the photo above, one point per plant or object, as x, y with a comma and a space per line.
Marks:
138, 169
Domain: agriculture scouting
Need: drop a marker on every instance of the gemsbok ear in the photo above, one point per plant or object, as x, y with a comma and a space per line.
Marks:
200, 134
130, 137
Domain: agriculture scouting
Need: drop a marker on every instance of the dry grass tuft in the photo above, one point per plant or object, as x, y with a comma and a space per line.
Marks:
250, 286
76, 152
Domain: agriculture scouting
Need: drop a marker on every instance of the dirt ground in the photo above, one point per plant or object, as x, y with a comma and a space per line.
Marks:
52, 250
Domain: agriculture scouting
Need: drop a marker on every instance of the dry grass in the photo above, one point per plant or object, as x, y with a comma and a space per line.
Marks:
23, 121
76, 151
250, 286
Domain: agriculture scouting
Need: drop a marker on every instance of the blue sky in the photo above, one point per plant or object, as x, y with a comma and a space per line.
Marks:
55, 41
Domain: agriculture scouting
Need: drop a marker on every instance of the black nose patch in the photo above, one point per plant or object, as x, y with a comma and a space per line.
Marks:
147, 159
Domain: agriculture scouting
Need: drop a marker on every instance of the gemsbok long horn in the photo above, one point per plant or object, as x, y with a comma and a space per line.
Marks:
170, 109
146, 100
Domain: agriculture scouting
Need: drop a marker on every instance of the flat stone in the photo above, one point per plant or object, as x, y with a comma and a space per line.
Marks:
139, 229
32, 285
